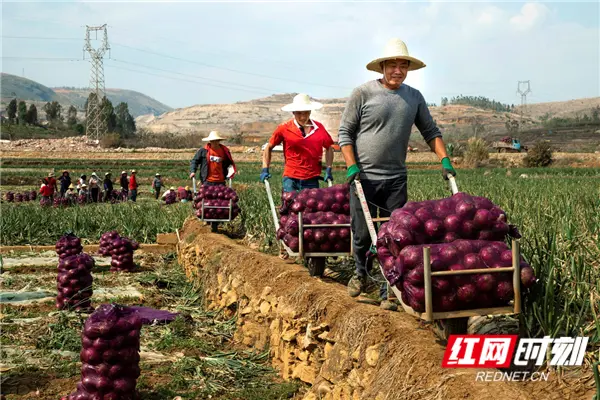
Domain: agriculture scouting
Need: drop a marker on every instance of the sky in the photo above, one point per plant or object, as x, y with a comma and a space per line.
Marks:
187, 53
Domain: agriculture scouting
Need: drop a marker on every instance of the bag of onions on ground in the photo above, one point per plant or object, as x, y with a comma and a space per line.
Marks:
330, 205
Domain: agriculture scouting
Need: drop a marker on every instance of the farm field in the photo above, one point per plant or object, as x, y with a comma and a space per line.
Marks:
192, 357
557, 210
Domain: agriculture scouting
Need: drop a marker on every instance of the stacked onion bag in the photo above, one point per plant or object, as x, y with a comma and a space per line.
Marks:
463, 232
216, 196
10, 197
74, 282
329, 205
120, 249
45, 202
110, 351
171, 197
61, 202
68, 245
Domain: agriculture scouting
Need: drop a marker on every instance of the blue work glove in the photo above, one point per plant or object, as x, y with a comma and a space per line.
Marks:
264, 174
328, 175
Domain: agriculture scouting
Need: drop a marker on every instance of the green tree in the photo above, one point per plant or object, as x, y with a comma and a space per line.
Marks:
53, 112
11, 110
71, 116
125, 124
22, 112
31, 117
444, 101
108, 115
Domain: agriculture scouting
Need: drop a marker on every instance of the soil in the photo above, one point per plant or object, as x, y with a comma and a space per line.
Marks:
413, 355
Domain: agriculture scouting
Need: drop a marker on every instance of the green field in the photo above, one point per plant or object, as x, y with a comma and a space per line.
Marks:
557, 210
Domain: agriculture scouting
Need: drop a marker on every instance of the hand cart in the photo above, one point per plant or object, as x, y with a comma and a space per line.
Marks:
449, 322
314, 261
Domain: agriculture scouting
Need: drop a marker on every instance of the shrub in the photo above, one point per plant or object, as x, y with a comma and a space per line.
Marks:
540, 155
110, 140
476, 152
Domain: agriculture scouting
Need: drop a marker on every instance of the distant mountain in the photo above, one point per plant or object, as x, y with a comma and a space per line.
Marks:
31, 91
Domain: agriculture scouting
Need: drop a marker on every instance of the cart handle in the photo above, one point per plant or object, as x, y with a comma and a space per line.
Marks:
272, 205
453, 186
194, 183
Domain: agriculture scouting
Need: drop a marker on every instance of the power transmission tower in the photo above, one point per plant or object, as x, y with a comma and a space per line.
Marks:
523, 94
95, 123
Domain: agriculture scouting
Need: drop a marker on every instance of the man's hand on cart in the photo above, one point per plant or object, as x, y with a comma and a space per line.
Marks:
447, 168
264, 174
352, 173
192, 175
328, 174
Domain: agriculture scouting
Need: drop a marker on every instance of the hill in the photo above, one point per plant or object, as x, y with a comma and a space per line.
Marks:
256, 119
31, 91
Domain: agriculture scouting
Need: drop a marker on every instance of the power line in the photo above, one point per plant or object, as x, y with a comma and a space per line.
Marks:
37, 37
188, 80
199, 77
227, 69
41, 58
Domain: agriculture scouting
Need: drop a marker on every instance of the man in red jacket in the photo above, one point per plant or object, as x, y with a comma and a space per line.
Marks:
215, 162
133, 185
303, 142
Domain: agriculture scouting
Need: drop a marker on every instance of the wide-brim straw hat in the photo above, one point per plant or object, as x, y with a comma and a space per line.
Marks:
123, 172
172, 188
213, 135
157, 175
187, 188
51, 174
302, 102
71, 186
395, 49
83, 185
133, 171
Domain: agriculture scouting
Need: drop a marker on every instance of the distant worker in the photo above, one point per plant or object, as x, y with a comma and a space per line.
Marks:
83, 191
182, 193
303, 142
46, 189
52, 184
215, 163
108, 187
133, 186
82, 180
171, 190
157, 185
65, 182
71, 194
124, 185
94, 187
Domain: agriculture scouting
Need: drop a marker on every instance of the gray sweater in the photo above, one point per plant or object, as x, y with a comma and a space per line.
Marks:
377, 122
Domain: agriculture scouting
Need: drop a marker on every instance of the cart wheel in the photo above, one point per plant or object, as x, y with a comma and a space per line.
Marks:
451, 326
316, 266
214, 227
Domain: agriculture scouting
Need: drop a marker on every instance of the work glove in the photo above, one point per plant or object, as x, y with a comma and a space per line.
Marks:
328, 175
352, 172
264, 174
447, 168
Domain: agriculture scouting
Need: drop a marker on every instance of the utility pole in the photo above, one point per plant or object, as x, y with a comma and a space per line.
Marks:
523, 94
95, 124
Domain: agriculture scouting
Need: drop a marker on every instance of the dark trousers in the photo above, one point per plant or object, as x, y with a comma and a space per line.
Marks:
293, 185
133, 194
95, 192
156, 193
385, 195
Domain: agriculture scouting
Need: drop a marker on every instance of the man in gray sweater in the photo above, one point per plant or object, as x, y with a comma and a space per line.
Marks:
373, 136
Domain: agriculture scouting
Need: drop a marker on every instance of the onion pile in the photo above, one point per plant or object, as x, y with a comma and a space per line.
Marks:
217, 196
106, 242
61, 202
10, 197
74, 282
19, 197
82, 199
110, 355
33, 195
404, 269
45, 202
122, 254
171, 197
68, 245
26, 196
443, 221
329, 205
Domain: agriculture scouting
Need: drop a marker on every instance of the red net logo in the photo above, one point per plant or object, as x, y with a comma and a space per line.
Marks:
479, 351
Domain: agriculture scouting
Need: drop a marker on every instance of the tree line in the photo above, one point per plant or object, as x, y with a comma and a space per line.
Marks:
117, 120
479, 102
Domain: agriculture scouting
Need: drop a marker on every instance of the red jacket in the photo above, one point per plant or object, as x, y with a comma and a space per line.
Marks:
46, 190
132, 182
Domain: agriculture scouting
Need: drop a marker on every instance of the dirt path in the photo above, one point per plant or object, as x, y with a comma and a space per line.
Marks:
412, 357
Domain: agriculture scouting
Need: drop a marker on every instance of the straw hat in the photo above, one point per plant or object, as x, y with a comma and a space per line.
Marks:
94, 174
123, 172
51, 174
213, 135
394, 49
107, 174
187, 188
83, 185
133, 171
172, 188
157, 174
302, 102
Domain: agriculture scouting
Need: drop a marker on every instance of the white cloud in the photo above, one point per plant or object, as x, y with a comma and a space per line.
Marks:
531, 14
